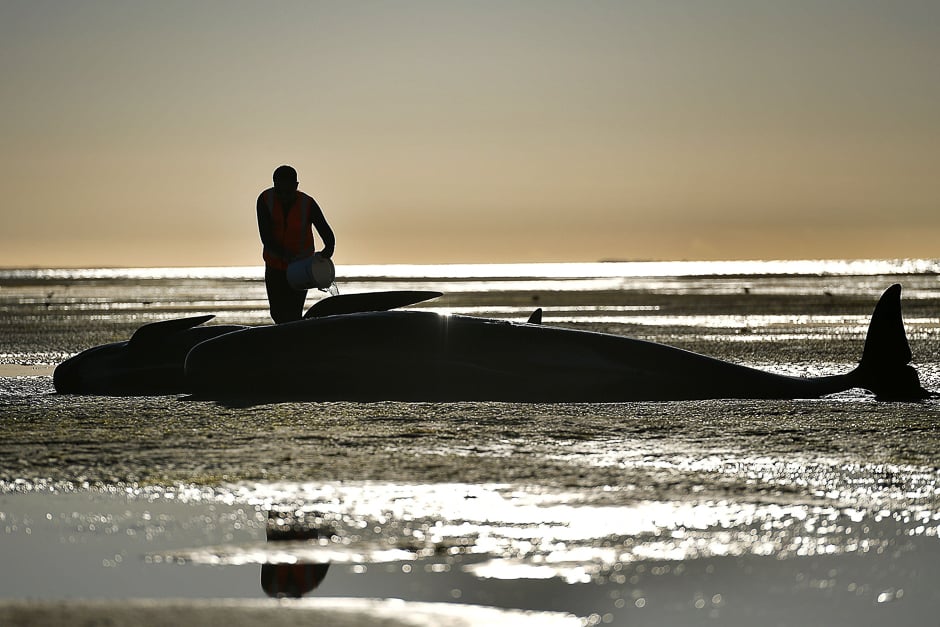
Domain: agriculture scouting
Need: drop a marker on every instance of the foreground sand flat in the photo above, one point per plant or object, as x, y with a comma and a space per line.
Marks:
235, 613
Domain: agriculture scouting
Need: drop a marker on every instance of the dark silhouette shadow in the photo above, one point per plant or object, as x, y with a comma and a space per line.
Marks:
291, 580
419, 356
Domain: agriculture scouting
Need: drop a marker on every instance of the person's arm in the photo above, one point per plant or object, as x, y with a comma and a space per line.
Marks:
326, 233
266, 231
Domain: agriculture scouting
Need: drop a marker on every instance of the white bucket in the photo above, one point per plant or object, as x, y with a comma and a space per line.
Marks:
315, 271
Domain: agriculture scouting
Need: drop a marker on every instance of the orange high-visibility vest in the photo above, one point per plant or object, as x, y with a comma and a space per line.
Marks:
291, 230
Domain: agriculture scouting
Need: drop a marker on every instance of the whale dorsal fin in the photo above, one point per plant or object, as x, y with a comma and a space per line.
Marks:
157, 331
536, 317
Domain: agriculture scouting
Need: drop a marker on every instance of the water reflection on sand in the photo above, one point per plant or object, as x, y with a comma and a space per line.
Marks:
587, 553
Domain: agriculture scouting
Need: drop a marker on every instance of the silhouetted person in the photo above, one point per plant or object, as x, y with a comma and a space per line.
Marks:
285, 217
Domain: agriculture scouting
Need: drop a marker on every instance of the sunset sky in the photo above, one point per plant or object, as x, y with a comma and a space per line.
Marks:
139, 133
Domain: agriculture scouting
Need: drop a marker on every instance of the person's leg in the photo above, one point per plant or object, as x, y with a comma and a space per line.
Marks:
287, 304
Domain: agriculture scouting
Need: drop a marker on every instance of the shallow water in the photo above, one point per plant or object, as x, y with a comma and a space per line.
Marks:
730, 512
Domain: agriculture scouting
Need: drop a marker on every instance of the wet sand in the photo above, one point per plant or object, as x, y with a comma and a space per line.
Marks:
734, 512
151, 441
16, 370
232, 613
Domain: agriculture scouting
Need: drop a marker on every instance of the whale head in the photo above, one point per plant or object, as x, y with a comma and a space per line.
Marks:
151, 362
90, 371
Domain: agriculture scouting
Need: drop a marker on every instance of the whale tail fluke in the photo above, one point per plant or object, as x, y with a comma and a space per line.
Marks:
885, 368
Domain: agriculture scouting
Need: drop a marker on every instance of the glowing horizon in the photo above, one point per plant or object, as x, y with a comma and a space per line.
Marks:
139, 134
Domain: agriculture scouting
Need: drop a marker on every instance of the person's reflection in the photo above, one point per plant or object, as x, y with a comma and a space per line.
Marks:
290, 580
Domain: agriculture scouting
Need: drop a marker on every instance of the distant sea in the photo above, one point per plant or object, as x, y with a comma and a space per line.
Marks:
818, 512
228, 289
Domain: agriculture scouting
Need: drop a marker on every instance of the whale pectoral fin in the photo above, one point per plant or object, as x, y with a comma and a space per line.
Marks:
157, 331
536, 317
368, 301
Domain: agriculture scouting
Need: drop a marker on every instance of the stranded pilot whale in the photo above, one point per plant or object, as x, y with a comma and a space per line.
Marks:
424, 356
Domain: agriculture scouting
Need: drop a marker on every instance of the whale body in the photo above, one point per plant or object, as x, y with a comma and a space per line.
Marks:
348, 353
424, 356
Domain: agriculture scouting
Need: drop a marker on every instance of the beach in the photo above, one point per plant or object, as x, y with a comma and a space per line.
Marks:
725, 512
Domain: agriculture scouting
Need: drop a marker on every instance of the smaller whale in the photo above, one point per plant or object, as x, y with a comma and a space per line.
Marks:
150, 363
